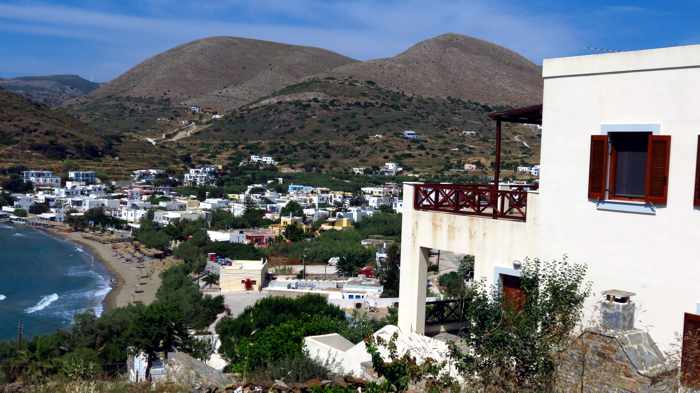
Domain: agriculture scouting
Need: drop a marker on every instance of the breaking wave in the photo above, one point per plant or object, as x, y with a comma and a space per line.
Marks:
43, 303
2, 297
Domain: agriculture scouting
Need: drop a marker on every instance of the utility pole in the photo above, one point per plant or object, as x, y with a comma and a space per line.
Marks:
20, 333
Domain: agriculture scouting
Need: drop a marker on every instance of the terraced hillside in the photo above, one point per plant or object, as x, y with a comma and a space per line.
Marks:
331, 123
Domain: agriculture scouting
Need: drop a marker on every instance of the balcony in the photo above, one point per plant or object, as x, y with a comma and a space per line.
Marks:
473, 200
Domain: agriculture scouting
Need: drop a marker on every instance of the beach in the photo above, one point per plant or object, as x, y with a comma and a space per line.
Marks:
133, 281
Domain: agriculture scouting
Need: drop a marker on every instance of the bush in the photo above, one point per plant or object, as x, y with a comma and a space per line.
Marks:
20, 213
513, 348
274, 328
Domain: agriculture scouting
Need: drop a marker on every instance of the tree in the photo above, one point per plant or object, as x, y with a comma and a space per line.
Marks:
513, 348
292, 208
466, 268
383, 224
275, 328
6, 199
389, 271
293, 233
211, 279
452, 283
17, 184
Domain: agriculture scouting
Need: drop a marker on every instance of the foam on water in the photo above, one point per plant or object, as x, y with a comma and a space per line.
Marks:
17, 234
2, 297
43, 303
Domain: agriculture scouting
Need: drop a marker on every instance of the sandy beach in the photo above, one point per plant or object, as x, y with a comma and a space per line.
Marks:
133, 281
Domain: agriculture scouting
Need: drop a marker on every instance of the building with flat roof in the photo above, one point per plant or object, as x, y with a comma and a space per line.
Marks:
620, 193
87, 177
243, 275
42, 179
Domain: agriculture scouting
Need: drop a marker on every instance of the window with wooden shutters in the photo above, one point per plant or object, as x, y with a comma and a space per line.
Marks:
690, 355
657, 169
598, 167
696, 198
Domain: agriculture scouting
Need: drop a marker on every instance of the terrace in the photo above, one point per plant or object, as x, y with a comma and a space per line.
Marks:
489, 200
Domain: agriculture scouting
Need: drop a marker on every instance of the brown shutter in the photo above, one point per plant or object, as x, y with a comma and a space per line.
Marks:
696, 198
657, 168
598, 167
690, 352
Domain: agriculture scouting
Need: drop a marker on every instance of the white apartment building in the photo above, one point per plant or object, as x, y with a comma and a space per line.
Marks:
86, 177
202, 176
42, 178
621, 193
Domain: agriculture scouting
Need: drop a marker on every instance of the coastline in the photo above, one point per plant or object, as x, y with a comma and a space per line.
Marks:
130, 284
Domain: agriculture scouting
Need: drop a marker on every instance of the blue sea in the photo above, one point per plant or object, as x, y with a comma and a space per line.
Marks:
45, 281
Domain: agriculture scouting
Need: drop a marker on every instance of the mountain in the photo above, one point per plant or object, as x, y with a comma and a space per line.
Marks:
51, 90
36, 136
332, 124
221, 72
453, 65
29, 129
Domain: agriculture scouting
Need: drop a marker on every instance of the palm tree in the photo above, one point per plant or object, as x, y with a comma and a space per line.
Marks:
211, 279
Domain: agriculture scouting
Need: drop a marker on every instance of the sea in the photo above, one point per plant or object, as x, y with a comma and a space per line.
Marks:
45, 281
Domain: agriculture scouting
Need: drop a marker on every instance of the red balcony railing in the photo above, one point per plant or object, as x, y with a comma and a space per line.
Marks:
473, 200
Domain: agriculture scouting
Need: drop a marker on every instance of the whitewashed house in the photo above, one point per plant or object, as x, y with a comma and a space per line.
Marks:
85, 177
42, 178
201, 176
621, 193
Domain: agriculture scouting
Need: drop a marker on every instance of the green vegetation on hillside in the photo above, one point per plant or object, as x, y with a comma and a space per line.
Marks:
329, 124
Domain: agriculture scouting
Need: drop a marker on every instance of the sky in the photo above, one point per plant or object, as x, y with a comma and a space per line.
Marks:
100, 39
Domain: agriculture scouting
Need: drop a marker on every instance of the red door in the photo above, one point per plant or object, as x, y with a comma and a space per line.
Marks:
513, 294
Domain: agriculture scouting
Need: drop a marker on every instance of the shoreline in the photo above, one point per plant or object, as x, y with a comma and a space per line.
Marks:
130, 282
116, 279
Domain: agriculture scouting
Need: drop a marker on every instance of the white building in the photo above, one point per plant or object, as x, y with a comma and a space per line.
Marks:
214, 203
146, 175
200, 176
267, 160
390, 169
42, 178
165, 217
620, 138
86, 177
410, 134
232, 236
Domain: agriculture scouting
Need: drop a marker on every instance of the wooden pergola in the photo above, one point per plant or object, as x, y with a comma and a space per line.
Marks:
525, 115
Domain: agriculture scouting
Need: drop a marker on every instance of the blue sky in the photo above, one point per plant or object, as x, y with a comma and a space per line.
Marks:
99, 39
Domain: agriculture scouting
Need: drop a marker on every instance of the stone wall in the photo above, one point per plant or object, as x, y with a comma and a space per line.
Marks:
605, 363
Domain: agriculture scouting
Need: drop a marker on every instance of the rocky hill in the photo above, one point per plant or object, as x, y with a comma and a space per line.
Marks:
330, 124
221, 72
52, 90
35, 135
453, 65
32, 129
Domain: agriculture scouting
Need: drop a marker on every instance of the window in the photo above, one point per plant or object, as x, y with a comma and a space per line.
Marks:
629, 166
